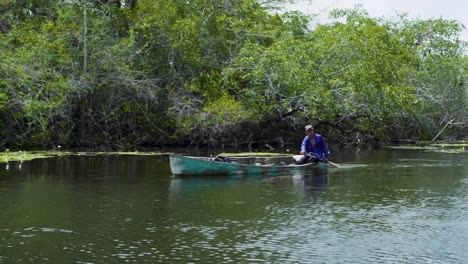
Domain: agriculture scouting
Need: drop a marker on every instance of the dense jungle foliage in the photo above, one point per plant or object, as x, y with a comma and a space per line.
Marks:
122, 73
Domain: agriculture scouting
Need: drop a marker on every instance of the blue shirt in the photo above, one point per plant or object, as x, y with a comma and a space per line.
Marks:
320, 150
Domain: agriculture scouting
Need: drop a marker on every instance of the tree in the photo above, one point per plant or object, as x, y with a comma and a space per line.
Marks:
440, 79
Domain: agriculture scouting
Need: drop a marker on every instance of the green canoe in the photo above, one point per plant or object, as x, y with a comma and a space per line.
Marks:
186, 165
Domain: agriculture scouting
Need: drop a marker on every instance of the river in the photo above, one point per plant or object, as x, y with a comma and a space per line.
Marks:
383, 205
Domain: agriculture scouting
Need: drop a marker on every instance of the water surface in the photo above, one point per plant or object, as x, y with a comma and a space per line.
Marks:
382, 206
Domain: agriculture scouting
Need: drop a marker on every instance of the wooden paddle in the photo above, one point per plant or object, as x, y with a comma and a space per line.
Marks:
298, 157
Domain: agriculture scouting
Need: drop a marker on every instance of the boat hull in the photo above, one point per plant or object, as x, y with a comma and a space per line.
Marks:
185, 165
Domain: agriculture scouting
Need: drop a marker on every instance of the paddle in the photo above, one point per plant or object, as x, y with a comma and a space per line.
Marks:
298, 157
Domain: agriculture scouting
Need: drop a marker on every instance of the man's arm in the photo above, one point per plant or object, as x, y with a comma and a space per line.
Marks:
304, 146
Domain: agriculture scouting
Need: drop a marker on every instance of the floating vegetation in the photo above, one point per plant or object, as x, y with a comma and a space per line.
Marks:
413, 147
456, 147
249, 154
8, 155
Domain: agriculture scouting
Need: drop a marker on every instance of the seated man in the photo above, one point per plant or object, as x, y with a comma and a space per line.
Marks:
313, 147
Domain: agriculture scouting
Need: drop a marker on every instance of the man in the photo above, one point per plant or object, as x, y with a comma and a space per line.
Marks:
313, 147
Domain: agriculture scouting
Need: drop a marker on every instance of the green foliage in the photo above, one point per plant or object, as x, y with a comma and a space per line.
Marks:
440, 78
225, 109
88, 73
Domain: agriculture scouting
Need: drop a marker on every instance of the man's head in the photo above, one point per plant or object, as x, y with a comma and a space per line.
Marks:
309, 129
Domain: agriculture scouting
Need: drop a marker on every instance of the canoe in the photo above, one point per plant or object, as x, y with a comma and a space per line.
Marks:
188, 165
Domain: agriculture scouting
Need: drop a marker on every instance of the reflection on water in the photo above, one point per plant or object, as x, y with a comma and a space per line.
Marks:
384, 206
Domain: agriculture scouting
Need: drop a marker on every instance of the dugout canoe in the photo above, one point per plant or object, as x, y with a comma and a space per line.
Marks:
189, 165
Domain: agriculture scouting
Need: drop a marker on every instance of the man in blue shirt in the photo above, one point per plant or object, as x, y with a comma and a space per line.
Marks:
312, 146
